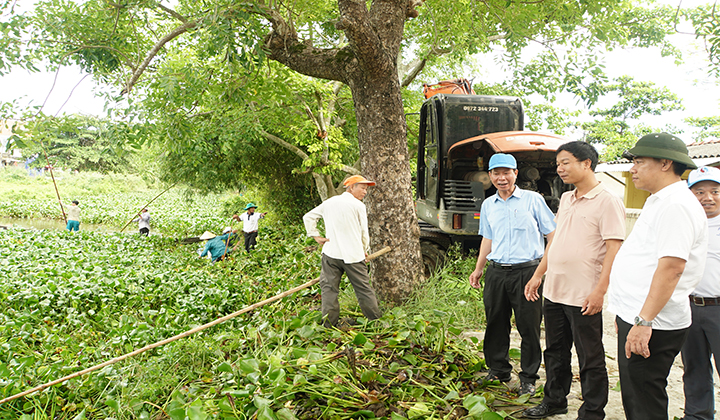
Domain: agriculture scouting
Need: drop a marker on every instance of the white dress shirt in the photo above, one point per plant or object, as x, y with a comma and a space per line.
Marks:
672, 224
710, 284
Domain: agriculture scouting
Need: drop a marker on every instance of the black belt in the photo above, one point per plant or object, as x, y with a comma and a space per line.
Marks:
517, 266
704, 301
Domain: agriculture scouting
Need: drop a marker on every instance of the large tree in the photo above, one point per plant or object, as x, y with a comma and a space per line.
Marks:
372, 47
617, 127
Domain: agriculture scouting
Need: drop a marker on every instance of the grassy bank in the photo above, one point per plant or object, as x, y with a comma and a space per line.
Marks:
113, 200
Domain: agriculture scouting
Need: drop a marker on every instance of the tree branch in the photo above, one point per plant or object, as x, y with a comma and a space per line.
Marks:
154, 51
277, 140
173, 13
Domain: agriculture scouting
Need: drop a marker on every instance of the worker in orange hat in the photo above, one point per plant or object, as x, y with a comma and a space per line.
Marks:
344, 248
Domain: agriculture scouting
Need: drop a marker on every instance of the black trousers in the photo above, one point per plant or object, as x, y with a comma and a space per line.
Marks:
643, 381
703, 342
565, 325
503, 295
250, 241
144, 231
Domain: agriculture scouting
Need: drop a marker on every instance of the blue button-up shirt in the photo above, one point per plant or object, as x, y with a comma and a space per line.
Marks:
516, 226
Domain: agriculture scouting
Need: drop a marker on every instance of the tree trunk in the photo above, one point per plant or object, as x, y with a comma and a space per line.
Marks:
391, 211
368, 65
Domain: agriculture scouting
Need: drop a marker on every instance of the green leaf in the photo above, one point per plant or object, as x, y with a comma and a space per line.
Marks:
112, 404
359, 339
419, 409
249, 366
196, 411
224, 367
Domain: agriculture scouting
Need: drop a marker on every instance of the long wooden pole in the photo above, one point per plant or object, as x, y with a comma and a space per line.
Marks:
47, 161
149, 202
179, 336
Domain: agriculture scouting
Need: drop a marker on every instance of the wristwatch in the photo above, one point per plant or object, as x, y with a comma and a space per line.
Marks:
642, 323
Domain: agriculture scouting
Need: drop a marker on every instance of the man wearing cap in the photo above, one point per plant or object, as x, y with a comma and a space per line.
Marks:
218, 246
657, 267
512, 224
590, 230
344, 248
250, 221
703, 339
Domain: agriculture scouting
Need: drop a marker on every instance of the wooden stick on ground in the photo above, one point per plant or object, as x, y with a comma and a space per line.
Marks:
179, 336
141, 209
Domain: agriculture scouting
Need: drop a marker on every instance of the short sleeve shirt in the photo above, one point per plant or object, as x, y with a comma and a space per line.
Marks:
576, 254
516, 226
710, 284
250, 221
73, 213
672, 224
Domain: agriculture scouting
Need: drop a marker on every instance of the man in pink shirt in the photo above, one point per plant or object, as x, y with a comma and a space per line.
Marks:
590, 230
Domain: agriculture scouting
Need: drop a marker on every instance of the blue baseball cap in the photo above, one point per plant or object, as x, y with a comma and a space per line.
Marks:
502, 160
704, 173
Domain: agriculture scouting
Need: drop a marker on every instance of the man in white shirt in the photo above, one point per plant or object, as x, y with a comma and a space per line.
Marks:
703, 340
655, 270
73, 216
345, 247
143, 222
251, 223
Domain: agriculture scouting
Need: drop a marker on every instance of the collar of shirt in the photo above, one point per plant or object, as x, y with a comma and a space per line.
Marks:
667, 191
590, 194
517, 193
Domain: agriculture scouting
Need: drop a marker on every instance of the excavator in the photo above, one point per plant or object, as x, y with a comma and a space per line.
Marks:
459, 132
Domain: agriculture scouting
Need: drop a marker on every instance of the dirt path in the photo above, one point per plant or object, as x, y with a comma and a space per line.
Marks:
614, 409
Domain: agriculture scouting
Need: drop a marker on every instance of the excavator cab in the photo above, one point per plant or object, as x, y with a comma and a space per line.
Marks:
458, 135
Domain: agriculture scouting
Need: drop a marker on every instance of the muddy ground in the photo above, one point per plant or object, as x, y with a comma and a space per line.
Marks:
614, 409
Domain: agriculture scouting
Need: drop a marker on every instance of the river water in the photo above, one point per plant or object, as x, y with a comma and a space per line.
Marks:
53, 224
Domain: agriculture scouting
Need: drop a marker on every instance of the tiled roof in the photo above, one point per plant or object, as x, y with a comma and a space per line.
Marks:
699, 150
705, 149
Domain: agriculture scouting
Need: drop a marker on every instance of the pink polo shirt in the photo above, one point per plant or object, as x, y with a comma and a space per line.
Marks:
577, 251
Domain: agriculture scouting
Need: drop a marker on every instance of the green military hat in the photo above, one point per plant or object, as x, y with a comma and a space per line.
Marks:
661, 146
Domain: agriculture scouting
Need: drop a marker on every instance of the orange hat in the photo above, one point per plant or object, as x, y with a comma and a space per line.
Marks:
357, 179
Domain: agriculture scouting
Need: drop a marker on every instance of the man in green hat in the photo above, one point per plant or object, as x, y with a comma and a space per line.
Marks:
657, 267
250, 221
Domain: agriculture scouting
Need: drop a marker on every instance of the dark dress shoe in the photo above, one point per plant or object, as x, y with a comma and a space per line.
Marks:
526, 388
491, 377
543, 410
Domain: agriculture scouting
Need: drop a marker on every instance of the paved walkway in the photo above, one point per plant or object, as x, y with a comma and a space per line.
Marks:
614, 409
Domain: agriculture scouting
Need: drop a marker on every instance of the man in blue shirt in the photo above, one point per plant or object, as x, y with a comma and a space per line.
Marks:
220, 246
512, 224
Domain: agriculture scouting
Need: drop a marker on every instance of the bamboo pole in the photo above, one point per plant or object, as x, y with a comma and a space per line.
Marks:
179, 336
47, 161
149, 202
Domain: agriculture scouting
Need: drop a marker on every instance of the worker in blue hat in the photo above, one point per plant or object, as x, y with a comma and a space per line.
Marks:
513, 224
250, 220
703, 337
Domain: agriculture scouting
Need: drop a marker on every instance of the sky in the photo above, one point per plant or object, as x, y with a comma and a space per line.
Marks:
75, 93
700, 93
